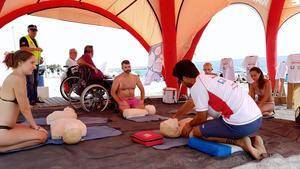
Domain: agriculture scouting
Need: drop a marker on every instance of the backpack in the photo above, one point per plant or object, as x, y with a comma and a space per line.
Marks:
297, 115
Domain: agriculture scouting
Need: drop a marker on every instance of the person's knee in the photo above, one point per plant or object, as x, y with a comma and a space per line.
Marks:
42, 137
3, 149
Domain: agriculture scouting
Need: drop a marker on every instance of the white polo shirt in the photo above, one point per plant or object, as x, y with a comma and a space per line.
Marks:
226, 97
70, 62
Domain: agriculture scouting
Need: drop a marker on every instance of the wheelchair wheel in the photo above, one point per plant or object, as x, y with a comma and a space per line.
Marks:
69, 89
94, 98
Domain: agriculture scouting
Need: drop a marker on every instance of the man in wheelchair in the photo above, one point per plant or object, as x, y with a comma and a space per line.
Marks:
88, 84
86, 60
123, 89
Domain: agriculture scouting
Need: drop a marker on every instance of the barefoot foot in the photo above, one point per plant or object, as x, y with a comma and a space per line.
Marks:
246, 144
258, 143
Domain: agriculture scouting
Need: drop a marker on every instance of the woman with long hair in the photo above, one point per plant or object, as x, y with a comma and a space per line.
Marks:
13, 100
261, 91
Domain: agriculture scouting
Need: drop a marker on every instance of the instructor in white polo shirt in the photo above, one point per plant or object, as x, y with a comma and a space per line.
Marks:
239, 115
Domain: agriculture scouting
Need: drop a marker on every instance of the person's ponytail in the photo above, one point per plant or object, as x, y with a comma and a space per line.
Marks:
9, 59
13, 59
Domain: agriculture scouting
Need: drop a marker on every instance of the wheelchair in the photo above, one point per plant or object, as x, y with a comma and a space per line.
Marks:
79, 86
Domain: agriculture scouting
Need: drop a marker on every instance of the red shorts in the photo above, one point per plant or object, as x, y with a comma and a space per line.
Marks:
127, 103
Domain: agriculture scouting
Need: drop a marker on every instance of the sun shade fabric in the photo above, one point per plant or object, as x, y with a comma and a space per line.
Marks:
291, 8
76, 15
138, 14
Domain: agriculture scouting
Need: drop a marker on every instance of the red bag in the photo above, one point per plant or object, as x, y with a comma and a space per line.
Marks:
147, 138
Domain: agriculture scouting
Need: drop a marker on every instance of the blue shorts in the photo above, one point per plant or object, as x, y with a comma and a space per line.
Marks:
219, 128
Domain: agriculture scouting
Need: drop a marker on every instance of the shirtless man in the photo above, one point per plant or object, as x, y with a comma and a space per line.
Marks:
123, 89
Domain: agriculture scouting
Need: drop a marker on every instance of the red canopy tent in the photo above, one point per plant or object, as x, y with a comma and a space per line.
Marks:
179, 24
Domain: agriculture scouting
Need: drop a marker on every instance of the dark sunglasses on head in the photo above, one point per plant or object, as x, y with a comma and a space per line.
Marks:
34, 30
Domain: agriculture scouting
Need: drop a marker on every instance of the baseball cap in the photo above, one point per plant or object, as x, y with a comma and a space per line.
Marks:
32, 27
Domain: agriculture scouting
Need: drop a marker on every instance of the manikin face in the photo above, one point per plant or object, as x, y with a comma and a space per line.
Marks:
28, 66
126, 68
254, 75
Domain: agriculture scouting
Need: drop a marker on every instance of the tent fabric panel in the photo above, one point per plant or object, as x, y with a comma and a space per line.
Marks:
119, 6
106, 4
1, 5
74, 4
76, 15
262, 7
169, 41
291, 8
271, 37
189, 55
178, 4
11, 5
140, 17
189, 25
155, 5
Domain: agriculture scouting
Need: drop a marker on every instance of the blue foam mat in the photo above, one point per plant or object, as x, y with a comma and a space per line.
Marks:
213, 148
95, 132
85, 120
148, 118
172, 143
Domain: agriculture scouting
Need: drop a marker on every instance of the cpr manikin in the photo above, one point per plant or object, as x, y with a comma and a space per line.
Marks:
130, 113
66, 113
65, 125
172, 127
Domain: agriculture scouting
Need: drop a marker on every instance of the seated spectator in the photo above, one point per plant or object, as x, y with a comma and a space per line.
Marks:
261, 91
207, 68
70, 63
86, 60
123, 89
14, 101
72, 58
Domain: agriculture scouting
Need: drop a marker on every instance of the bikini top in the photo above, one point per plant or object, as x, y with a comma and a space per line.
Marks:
13, 101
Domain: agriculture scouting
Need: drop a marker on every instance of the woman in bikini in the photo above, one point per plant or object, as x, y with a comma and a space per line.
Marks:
13, 100
261, 92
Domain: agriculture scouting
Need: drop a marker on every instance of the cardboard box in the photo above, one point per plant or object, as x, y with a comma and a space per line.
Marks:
43, 92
